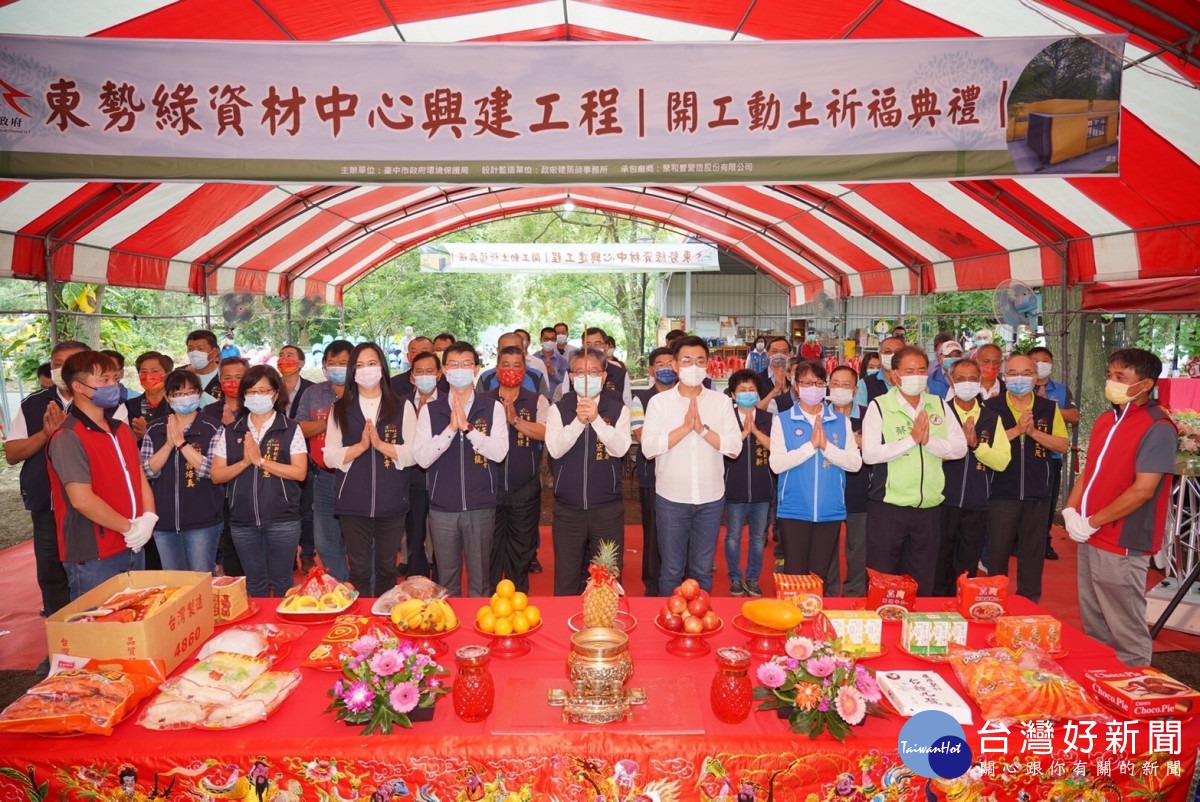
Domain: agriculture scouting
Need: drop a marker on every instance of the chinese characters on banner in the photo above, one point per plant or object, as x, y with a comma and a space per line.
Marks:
539, 113
547, 258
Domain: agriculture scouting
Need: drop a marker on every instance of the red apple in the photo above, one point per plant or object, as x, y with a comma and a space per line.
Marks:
711, 621
672, 622
677, 604
698, 607
703, 594
689, 589
693, 625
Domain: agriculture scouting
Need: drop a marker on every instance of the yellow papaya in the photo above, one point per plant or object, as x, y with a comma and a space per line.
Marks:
773, 613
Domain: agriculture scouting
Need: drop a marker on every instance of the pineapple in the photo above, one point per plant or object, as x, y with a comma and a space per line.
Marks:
600, 596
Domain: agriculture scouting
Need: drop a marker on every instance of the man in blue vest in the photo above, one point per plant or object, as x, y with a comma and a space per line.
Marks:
461, 439
1046, 387
533, 380
878, 383
906, 435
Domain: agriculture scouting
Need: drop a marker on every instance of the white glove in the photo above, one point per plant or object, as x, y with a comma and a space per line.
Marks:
1077, 526
140, 531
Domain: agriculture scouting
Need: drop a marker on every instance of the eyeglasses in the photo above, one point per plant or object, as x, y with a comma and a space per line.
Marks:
687, 362
468, 365
810, 384
256, 391
592, 374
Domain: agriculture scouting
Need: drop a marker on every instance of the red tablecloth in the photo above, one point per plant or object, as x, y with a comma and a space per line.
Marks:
1179, 394
677, 749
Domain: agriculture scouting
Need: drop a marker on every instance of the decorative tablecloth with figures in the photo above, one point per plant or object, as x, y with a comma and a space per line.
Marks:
673, 748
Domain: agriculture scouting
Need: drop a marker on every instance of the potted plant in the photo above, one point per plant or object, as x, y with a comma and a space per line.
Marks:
386, 683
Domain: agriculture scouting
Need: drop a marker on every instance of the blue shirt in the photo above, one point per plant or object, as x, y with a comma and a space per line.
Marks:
937, 384
1059, 394
860, 397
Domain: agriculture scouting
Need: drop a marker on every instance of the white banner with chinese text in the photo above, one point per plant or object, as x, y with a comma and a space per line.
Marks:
453, 257
557, 113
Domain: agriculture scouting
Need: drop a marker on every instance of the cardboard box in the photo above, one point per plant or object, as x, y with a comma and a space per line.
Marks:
229, 598
1042, 632
803, 590
860, 630
1142, 692
171, 634
912, 692
932, 633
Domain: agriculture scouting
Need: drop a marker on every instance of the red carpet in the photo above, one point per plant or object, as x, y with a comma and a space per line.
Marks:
25, 644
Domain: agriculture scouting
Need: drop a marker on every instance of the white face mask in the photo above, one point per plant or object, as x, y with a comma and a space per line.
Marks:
840, 396
56, 377
259, 404
561, 339
1044, 369
885, 361
913, 385
198, 359
965, 391
369, 376
693, 375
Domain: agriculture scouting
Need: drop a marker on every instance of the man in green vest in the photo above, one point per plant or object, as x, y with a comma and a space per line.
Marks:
906, 435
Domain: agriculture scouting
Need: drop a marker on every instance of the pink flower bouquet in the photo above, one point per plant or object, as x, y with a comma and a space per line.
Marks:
383, 681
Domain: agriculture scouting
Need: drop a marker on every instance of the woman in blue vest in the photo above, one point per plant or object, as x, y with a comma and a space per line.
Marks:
368, 440
177, 459
263, 457
812, 448
749, 485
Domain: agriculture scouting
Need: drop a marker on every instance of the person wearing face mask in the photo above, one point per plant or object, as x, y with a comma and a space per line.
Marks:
1061, 395
402, 382
263, 458
428, 381
45, 380
1117, 511
688, 432
615, 376
778, 397
152, 368
906, 435
661, 366
968, 480
230, 407
289, 364
1020, 493
553, 364
38, 416
812, 447
947, 352
610, 351
119, 358
873, 385
461, 439
519, 501
312, 417
532, 379
563, 344
811, 348
757, 359
990, 359
442, 342
177, 460
368, 441
587, 434
204, 359
103, 505
842, 384
749, 486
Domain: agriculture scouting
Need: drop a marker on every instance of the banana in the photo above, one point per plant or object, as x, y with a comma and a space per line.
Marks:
447, 613
414, 620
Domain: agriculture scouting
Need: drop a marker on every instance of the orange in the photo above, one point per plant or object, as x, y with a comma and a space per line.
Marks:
505, 588
486, 621
520, 623
533, 615
502, 607
520, 601
504, 626
484, 609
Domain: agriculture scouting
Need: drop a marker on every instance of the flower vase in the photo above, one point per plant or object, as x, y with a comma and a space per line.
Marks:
422, 714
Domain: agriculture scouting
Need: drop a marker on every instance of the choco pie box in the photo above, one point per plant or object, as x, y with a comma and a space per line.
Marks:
1142, 692
171, 633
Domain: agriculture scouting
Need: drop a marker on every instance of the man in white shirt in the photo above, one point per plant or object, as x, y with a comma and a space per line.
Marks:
688, 432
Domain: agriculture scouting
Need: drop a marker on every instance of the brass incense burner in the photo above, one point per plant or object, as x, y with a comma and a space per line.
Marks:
598, 666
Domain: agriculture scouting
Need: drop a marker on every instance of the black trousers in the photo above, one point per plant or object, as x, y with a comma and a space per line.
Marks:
651, 561
808, 547
904, 540
1018, 527
416, 527
51, 576
230, 562
961, 544
514, 542
577, 534
372, 548
308, 544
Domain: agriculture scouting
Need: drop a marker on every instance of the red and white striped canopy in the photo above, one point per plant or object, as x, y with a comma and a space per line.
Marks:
870, 239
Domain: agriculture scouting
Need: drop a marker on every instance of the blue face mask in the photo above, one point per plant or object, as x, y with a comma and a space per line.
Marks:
185, 405
1019, 385
588, 386
666, 376
425, 384
746, 400
949, 362
336, 375
105, 397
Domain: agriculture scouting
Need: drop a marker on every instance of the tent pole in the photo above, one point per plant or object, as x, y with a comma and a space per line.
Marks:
1082, 319
687, 301
288, 310
207, 302
51, 301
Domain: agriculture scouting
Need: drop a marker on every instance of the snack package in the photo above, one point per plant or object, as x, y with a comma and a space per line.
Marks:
221, 677
130, 604
984, 598
335, 646
92, 699
414, 587
230, 600
930, 634
890, 595
256, 703
253, 640
1027, 685
1029, 631
1142, 692
803, 590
